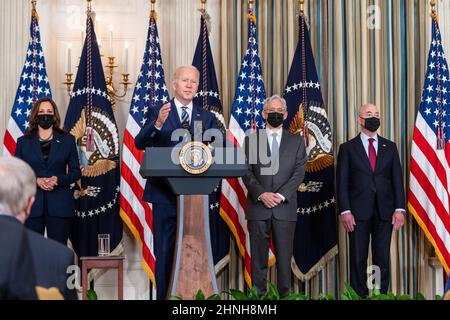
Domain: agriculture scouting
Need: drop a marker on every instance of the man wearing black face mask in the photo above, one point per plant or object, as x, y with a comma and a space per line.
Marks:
371, 199
277, 161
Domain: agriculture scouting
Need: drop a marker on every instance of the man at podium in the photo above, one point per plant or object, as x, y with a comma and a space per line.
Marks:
180, 113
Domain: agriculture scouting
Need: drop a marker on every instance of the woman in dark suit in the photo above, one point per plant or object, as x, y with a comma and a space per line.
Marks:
52, 154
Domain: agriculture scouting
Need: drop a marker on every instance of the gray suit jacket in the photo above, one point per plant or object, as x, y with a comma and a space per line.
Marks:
291, 172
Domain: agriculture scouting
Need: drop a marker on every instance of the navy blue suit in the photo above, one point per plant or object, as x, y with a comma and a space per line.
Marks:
17, 273
372, 196
53, 209
50, 260
158, 192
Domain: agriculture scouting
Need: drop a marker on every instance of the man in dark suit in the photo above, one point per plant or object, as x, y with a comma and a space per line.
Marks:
371, 198
161, 123
17, 278
49, 258
272, 183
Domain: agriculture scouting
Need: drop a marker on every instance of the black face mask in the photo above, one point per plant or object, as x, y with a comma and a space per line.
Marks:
372, 124
45, 121
275, 119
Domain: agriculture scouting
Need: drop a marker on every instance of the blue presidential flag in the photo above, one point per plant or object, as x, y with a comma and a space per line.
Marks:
316, 233
90, 120
208, 98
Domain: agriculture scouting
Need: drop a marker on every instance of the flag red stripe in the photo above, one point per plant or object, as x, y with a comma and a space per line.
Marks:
431, 155
129, 177
147, 255
233, 217
128, 141
9, 142
235, 185
430, 191
429, 224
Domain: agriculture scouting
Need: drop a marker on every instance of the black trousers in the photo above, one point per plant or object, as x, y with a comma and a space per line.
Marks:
380, 231
164, 235
57, 228
283, 241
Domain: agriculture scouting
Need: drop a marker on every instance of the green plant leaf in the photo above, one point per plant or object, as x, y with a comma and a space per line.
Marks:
200, 295
420, 296
253, 294
295, 296
175, 298
91, 295
438, 297
214, 297
404, 297
272, 294
349, 293
237, 294
328, 297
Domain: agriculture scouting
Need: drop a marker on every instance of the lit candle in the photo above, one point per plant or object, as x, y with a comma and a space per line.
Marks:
69, 57
111, 39
126, 58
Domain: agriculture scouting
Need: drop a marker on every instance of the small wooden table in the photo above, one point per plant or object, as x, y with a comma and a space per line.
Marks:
106, 262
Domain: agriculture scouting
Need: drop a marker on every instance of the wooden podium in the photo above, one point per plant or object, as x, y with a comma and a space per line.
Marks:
193, 266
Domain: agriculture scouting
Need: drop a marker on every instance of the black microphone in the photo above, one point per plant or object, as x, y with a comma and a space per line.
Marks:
186, 126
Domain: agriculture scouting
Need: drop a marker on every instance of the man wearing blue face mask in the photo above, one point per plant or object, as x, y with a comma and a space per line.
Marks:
371, 199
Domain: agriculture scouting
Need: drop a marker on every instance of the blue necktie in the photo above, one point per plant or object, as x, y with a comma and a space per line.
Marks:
184, 115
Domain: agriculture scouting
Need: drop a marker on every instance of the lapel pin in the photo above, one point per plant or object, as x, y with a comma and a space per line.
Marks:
384, 145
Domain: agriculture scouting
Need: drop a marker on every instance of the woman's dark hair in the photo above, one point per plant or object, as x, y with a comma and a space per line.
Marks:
33, 128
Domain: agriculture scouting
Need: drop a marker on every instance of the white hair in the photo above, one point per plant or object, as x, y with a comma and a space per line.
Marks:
364, 106
18, 185
177, 71
273, 98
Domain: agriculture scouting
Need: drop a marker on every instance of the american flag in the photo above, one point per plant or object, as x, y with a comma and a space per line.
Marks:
33, 85
430, 153
246, 115
150, 91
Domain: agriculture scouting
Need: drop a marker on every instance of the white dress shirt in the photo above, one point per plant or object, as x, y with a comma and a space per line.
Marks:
179, 107
270, 132
279, 133
365, 141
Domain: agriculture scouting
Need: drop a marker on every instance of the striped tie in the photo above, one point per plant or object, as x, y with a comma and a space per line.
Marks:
184, 115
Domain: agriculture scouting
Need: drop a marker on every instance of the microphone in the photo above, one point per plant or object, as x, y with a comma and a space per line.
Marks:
186, 126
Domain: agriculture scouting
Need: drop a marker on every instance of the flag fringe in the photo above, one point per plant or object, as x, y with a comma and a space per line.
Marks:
316, 268
430, 238
133, 230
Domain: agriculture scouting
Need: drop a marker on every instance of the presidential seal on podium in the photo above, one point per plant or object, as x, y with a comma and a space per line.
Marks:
195, 157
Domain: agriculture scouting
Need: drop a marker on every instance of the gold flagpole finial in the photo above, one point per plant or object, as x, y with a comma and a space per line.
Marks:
203, 4
250, 4
433, 3
153, 3
33, 4
301, 4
